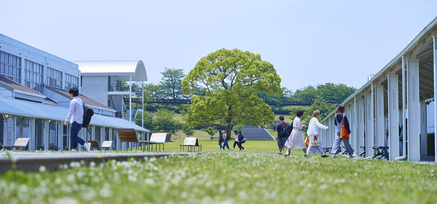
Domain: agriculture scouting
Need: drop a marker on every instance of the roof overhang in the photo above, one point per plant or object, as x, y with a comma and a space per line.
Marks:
126, 70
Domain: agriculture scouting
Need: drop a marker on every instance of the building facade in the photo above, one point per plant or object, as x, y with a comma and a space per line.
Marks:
34, 87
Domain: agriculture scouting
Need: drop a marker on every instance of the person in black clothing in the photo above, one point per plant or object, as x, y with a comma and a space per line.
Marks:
221, 140
401, 139
241, 140
338, 123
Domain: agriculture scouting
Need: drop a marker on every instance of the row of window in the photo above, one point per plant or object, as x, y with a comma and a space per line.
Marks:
10, 67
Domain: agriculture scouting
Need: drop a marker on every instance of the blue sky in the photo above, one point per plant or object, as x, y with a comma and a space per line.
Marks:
308, 42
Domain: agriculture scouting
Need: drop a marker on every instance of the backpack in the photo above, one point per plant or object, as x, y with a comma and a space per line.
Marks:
284, 130
87, 114
289, 129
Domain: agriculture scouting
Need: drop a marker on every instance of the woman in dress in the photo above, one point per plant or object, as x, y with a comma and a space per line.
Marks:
313, 135
341, 118
296, 139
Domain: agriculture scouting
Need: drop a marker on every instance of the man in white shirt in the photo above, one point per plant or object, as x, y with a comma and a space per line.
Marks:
75, 116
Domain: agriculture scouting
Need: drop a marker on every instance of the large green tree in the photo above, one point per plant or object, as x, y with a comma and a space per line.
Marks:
231, 79
171, 83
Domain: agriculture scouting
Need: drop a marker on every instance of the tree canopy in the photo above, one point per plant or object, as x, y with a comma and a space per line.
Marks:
231, 80
171, 83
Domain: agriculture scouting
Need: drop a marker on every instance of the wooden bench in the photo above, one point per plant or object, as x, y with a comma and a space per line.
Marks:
106, 145
20, 142
127, 135
156, 139
191, 143
95, 144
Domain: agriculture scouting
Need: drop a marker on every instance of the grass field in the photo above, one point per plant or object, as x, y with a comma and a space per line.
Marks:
202, 135
255, 175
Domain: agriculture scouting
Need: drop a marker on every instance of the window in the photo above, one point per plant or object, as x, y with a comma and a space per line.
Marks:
34, 75
10, 66
54, 78
71, 81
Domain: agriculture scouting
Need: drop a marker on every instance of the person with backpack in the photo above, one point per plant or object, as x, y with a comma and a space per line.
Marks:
220, 139
75, 116
341, 120
281, 128
315, 144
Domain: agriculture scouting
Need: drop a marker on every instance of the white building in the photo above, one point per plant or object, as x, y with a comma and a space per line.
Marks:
397, 96
34, 99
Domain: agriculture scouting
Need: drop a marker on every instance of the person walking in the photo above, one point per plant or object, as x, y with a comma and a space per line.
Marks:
75, 116
241, 140
220, 139
235, 139
225, 140
282, 134
341, 119
315, 146
296, 139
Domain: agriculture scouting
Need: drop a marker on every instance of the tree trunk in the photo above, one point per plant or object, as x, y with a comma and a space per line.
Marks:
229, 128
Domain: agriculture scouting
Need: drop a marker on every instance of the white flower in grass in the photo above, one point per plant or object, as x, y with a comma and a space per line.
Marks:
58, 181
70, 178
323, 187
243, 195
92, 164
22, 189
150, 181
105, 192
66, 200
42, 168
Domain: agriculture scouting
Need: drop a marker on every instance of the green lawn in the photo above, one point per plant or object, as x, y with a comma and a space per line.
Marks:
255, 175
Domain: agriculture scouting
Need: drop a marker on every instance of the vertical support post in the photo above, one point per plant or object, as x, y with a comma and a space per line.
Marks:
102, 135
361, 126
393, 115
46, 135
355, 127
13, 128
368, 123
60, 134
423, 129
5, 130
21, 128
110, 137
130, 98
379, 118
119, 147
32, 142
413, 108
142, 104
434, 47
93, 133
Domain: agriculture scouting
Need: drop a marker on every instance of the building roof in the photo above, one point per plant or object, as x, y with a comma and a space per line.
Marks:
37, 110
12, 85
86, 100
126, 68
424, 44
